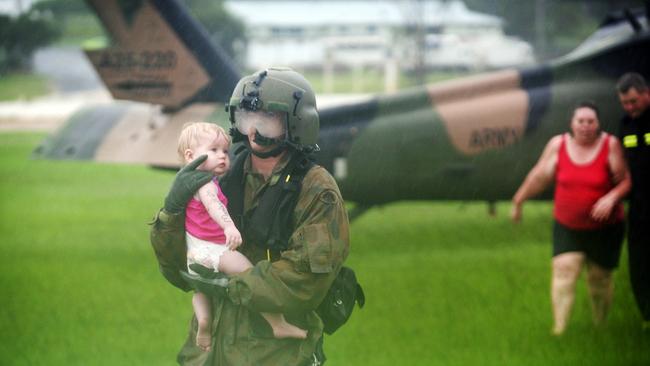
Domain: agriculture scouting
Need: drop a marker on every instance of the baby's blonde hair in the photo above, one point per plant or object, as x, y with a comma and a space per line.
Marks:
190, 136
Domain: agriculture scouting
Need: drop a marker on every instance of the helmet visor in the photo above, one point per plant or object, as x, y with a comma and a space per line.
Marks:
268, 124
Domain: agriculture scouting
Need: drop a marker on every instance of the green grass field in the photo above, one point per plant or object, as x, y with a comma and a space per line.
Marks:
445, 283
23, 86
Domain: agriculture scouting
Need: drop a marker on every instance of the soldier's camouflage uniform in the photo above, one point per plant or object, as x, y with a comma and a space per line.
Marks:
293, 283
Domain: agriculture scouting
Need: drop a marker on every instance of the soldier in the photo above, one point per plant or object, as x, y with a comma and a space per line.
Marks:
292, 219
634, 96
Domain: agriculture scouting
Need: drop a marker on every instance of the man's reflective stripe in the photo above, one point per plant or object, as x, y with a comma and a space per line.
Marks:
647, 139
631, 141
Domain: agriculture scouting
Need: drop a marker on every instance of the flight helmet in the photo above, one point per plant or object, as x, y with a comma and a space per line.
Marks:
277, 92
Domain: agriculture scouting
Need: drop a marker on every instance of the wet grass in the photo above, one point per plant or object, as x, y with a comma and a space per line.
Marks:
449, 285
22, 86
446, 284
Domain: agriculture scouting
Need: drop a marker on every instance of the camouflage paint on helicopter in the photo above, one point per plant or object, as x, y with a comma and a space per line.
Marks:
470, 138
166, 71
425, 143
160, 55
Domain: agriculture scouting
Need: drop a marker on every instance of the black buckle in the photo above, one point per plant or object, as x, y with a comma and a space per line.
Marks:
251, 102
297, 95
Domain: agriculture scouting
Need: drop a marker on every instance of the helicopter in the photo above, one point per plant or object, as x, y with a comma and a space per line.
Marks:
470, 138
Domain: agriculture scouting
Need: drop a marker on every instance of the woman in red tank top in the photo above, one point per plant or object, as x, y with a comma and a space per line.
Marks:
591, 177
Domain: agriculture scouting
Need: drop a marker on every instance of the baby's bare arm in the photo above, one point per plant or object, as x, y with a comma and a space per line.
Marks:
219, 213
208, 194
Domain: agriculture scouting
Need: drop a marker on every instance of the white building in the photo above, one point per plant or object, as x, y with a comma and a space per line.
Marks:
311, 34
15, 7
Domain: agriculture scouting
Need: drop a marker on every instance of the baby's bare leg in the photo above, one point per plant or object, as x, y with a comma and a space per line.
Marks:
201, 304
282, 329
232, 262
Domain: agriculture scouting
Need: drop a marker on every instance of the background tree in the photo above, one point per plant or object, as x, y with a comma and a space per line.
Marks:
225, 30
20, 36
61, 8
79, 23
553, 27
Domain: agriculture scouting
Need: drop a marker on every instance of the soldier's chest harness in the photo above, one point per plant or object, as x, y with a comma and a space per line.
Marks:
268, 224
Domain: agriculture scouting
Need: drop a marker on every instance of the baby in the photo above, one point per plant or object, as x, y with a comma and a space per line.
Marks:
211, 234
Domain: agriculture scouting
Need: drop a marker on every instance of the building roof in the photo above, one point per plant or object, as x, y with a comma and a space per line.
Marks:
312, 13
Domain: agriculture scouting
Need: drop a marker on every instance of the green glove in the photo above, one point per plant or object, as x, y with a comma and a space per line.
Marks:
188, 180
208, 281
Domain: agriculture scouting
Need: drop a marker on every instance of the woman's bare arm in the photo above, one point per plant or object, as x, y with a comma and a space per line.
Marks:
620, 176
539, 177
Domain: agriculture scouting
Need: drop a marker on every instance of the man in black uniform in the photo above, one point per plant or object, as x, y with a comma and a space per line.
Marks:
635, 134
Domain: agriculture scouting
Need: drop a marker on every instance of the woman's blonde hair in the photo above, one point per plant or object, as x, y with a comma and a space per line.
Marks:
190, 136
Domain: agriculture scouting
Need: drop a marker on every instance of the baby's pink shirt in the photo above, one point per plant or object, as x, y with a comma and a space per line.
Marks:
199, 223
